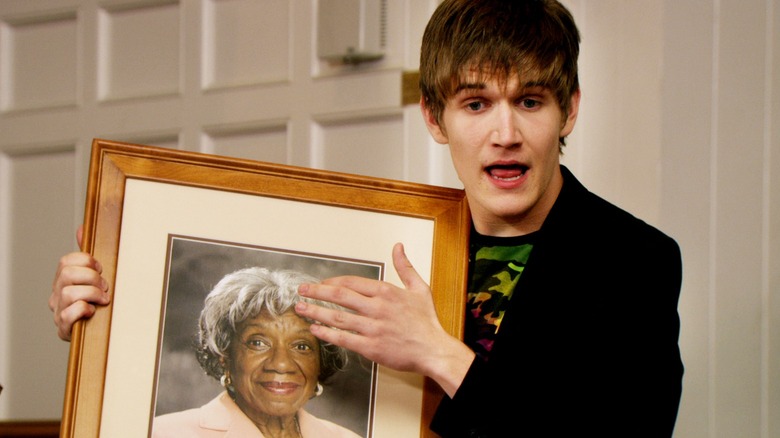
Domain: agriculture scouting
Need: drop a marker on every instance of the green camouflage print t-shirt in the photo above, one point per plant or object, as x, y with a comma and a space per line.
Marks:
495, 265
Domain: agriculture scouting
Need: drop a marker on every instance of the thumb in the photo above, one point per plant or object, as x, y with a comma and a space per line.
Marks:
409, 276
80, 236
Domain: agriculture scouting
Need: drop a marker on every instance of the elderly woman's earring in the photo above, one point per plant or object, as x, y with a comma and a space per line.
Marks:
318, 391
225, 380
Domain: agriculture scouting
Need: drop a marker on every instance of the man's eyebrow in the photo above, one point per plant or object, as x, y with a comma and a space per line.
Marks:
481, 86
469, 86
537, 84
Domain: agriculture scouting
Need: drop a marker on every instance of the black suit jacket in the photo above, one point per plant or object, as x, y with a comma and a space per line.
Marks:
589, 344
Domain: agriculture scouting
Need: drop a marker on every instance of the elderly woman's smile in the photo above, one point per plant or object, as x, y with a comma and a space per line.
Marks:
283, 388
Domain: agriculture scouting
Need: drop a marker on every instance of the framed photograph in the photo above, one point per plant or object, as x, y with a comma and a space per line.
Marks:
195, 265
167, 224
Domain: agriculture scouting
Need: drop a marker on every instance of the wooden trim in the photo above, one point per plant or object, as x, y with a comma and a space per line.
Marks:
410, 88
29, 429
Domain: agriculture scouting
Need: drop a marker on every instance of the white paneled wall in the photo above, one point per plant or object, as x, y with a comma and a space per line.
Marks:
35, 189
721, 152
232, 77
231, 55
138, 51
679, 124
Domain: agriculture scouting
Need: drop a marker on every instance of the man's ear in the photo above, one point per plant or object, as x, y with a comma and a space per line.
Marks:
571, 118
437, 131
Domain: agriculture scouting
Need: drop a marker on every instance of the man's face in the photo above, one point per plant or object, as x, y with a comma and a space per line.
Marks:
504, 143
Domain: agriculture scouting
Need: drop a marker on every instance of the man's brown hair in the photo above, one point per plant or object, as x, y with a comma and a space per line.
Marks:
535, 39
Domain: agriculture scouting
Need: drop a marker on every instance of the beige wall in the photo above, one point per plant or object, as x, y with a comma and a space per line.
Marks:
721, 149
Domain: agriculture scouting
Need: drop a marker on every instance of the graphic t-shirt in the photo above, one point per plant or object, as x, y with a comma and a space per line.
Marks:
495, 266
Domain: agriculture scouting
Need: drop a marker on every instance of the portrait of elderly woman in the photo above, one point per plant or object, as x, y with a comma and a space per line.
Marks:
270, 365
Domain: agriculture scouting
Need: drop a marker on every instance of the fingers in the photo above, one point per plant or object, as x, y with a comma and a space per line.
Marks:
394, 326
406, 272
79, 269
76, 290
369, 298
78, 258
339, 318
336, 326
351, 341
343, 328
344, 290
64, 320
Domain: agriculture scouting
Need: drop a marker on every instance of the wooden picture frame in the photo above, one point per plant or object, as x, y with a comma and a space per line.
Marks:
138, 195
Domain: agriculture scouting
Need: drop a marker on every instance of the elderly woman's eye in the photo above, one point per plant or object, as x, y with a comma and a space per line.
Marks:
303, 347
256, 344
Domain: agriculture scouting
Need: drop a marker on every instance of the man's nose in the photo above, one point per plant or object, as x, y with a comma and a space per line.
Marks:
507, 127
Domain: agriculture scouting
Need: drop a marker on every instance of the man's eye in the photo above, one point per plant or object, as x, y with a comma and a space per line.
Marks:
529, 103
475, 105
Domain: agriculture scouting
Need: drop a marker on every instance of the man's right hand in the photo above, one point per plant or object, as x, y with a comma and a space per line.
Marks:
77, 289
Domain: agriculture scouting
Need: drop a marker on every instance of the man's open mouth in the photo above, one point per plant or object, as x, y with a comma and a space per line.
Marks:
507, 172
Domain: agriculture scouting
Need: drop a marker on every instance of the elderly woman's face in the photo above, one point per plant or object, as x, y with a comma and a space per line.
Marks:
274, 364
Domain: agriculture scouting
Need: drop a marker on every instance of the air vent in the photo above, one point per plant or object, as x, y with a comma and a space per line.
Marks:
351, 31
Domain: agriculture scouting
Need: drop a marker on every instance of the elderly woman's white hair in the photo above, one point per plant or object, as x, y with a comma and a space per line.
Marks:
241, 295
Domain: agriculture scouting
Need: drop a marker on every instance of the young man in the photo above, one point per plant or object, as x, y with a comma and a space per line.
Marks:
571, 326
